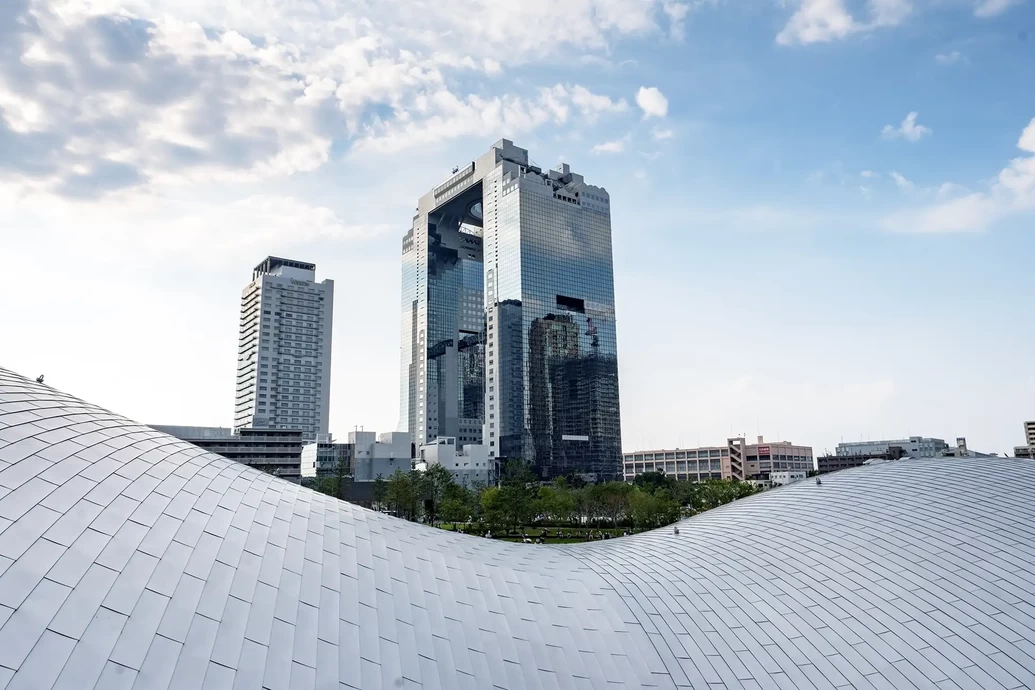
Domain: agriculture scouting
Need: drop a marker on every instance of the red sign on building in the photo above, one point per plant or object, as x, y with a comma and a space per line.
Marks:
763, 450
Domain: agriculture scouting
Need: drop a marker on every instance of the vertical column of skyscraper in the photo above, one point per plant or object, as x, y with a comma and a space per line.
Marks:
443, 315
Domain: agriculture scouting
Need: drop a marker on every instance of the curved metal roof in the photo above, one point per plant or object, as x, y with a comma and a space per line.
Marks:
129, 559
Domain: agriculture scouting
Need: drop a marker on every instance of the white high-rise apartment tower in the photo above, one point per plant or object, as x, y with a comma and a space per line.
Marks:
284, 352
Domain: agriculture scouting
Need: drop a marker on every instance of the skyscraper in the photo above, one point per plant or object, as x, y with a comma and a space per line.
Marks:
284, 351
508, 289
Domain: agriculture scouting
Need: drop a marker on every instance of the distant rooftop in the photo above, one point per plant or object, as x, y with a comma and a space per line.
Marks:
274, 265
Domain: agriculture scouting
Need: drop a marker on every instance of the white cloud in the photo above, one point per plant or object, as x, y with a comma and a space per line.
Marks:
949, 58
661, 134
592, 105
950, 190
445, 116
817, 21
901, 181
1027, 140
868, 174
652, 102
908, 130
677, 12
98, 96
614, 146
889, 12
992, 8
113, 102
822, 21
959, 210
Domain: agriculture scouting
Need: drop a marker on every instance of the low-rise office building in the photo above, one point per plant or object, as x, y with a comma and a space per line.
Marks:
277, 451
380, 456
736, 460
834, 463
323, 457
785, 477
914, 447
694, 464
470, 464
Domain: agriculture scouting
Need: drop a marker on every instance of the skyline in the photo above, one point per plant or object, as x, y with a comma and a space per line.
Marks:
821, 211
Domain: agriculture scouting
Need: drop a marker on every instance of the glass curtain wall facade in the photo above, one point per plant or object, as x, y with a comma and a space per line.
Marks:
537, 364
443, 317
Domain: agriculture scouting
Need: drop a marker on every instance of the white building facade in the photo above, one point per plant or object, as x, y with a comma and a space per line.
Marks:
284, 349
380, 456
785, 477
914, 447
470, 464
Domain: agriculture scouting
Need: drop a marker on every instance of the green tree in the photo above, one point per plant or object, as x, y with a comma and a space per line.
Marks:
493, 509
652, 509
611, 500
556, 502
711, 493
517, 493
418, 492
437, 481
457, 504
654, 481
380, 492
453, 511
400, 495
342, 478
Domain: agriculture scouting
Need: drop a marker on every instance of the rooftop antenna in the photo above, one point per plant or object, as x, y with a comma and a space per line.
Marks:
39, 379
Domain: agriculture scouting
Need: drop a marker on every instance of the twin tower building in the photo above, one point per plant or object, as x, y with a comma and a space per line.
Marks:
508, 317
508, 323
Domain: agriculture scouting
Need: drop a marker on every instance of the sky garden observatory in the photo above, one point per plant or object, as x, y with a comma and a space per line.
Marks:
508, 319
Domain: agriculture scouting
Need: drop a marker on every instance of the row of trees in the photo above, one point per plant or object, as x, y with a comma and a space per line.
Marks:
520, 501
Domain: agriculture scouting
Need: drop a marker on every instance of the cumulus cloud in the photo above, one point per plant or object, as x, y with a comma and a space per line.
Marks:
99, 96
868, 174
959, 210
614, 146
822, 21
677, 12
591, 105
652, 102
901, 181
97, 103
445, 116
661, 134
908, 129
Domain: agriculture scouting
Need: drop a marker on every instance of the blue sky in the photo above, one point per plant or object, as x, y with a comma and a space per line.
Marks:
822, 210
